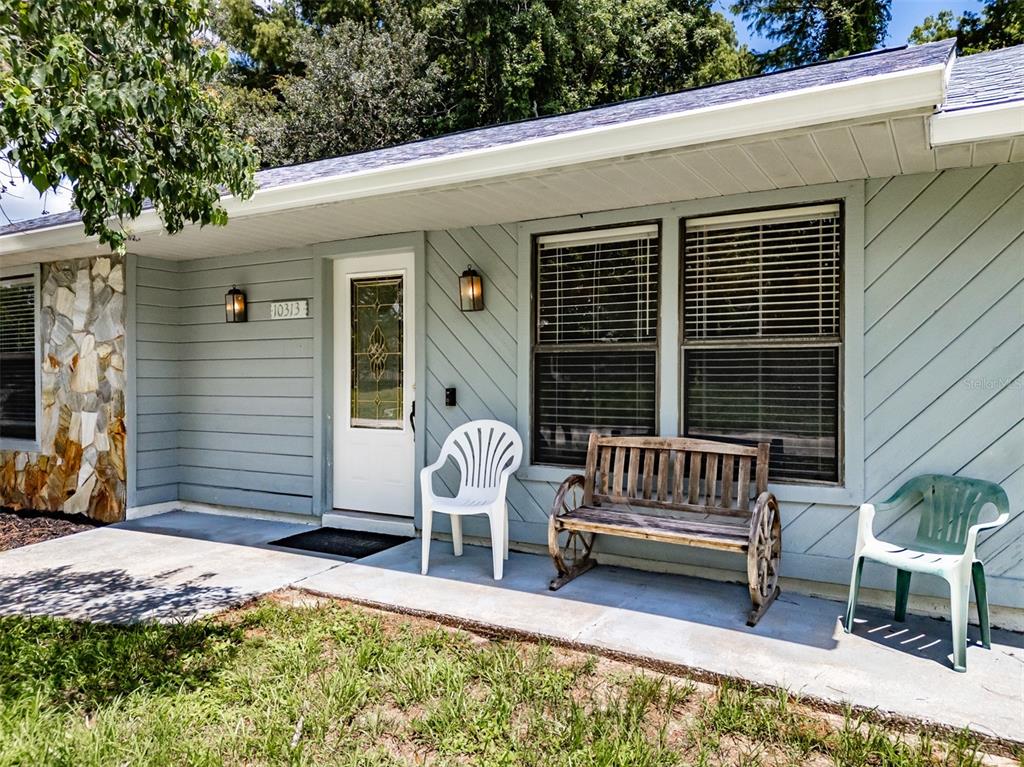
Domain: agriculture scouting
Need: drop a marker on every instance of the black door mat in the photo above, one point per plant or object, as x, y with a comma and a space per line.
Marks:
342, 543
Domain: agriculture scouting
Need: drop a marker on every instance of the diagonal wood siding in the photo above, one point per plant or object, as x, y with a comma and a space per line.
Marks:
476, 353
944, 364
944, 360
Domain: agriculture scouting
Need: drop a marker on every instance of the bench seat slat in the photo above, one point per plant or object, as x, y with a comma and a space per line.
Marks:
632, 525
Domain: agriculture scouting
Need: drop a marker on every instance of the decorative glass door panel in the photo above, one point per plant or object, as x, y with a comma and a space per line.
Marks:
377, 352
375, 384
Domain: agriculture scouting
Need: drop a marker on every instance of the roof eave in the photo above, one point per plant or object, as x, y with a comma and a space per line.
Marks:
860, 98
984, 123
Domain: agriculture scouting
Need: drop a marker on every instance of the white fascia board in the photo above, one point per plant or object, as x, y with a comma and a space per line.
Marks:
56, 236
986, 123
861, 98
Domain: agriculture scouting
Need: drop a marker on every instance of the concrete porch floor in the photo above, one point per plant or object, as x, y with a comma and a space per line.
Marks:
181, 565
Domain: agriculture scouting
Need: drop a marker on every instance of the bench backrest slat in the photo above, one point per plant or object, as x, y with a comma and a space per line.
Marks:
695, 459
634, 470
620, 465
663, 456
675, 473
743, 481
606, 467
728, 477
710, 477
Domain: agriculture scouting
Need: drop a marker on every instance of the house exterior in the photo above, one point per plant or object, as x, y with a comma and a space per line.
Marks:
829, 258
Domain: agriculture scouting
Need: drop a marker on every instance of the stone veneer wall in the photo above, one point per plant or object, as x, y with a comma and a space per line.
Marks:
80, 465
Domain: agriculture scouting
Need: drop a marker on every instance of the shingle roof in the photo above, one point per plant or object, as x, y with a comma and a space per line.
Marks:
868, 64
987, 78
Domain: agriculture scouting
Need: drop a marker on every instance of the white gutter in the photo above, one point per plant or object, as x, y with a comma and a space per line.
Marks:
986, 123
861, 98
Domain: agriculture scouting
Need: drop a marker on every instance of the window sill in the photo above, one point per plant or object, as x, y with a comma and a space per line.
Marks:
21, 445
832, 495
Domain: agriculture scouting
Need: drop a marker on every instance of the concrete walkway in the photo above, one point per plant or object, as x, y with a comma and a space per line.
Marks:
177, 566
173, 566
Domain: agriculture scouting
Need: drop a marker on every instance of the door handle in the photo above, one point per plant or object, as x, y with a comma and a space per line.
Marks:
412, 417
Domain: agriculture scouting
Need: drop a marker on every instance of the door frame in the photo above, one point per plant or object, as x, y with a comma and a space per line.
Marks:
324, 257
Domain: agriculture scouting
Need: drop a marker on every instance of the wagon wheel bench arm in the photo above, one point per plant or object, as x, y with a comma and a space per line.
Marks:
764, 554
573, 557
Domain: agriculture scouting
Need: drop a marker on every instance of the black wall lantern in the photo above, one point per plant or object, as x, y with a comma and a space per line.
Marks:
471, 290
234, 305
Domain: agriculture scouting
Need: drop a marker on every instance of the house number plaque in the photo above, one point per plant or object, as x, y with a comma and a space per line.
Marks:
289, 310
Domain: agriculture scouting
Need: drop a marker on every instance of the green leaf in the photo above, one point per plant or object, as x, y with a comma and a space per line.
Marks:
40, 182
116, 97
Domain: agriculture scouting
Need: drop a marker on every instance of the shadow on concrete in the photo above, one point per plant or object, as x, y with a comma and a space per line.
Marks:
112, 596
922, 637
794, 618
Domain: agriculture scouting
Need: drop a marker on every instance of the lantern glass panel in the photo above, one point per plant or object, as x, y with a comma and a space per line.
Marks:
471, 291
234, 306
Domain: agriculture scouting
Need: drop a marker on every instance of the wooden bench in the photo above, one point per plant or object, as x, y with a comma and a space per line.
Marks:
676, 490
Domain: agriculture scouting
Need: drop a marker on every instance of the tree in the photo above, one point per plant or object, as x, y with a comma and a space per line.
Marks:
814, 30
114, 96
1000, 25
362, 85
507, 61
462, 63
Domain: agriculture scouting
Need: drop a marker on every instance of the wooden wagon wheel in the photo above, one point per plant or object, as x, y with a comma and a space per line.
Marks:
570, 549
764, 555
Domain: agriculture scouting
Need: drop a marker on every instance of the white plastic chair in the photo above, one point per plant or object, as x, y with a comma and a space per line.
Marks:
487, 453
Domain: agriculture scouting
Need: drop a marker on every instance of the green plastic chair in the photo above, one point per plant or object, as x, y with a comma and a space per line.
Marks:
946, 538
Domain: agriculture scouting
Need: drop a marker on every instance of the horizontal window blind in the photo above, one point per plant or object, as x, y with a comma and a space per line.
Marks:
762, 335
17, 358
777, 275
595, 342
788, 397
609, 391
599, 287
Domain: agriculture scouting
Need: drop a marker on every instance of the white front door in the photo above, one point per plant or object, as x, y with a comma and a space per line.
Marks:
374, 389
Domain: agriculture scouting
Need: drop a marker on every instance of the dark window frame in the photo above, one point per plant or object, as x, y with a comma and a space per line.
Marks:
838, 342
30, 278
545, 347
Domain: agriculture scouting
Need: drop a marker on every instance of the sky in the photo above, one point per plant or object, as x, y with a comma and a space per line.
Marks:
906, 14
21, 201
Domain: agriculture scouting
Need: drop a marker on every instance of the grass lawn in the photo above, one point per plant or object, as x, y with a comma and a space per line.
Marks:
293, 680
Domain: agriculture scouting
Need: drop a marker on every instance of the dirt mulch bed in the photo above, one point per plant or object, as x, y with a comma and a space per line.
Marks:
21, 528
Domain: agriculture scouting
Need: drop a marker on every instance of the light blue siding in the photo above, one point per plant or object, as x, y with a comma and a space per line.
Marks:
944, 364
225, 410
156, 381
476, 352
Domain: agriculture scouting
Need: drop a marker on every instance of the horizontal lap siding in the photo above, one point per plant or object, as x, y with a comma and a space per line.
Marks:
234, 401
156, 382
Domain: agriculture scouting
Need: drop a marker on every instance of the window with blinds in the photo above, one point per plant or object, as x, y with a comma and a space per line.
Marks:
17, 358
762, 335
595, 339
